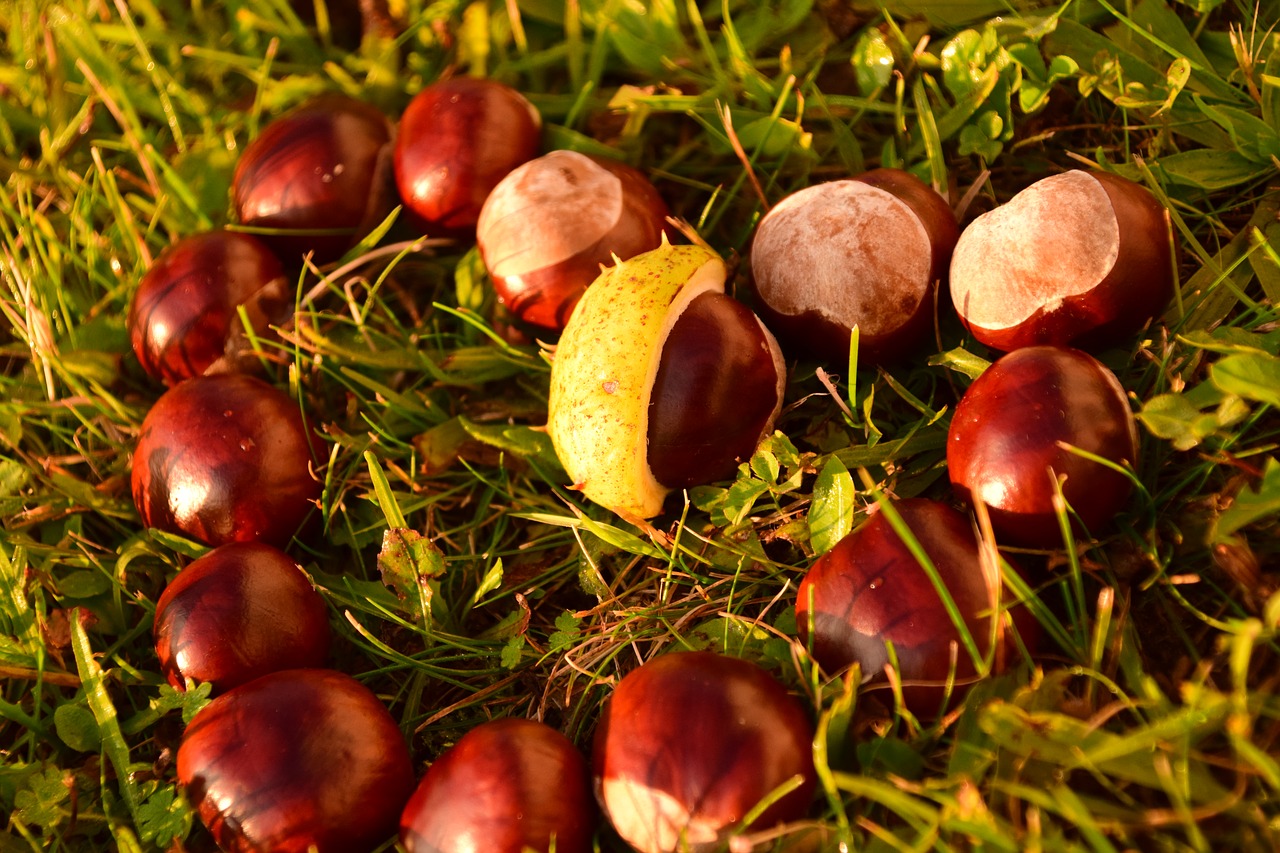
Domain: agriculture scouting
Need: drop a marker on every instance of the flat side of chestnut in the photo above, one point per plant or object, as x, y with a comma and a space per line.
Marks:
1004, 446
506, 786
237, 613
296, 760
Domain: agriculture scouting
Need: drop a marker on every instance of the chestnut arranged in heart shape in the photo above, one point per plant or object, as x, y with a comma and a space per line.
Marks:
323, 168
690, 743
225, 458
506, 786
1006, 443
305, 759
870, 591
185, 321
868, 251
1079, 257
236, 613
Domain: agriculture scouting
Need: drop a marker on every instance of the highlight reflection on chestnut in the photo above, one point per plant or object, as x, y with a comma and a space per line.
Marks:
225, 458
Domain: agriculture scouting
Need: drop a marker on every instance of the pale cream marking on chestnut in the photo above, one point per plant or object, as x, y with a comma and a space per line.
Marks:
585, 194
1057, 238
653, 821
838, 249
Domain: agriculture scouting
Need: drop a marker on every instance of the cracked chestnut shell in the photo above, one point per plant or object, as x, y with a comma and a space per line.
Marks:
869, 591
1080, 258
184, 319
691, 742
225, 458
323, 168
506, 786
300, 760
238, 612
458, 138
1005, 444
868, 251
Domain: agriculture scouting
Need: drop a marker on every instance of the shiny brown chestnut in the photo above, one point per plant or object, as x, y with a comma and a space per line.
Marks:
321, 168
869, 591
548, 227
185, 321
868, 251
1006, 443
1079, 257
458, 138
691, 742
225, 458
294, 761
238, 612
506, 786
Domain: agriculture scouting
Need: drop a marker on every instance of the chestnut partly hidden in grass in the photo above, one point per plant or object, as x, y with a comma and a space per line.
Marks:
1079, 257
185, 317
238, 612
295, 761
225, 458
870, 593
458, 138
507, 786
867, 252
548, 227
690, 743
323, 169
660, 381
1010, 439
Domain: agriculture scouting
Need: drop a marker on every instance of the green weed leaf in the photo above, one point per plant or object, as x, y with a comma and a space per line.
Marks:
1253, 376
77, 728
872, 62
1251, 504
831, 513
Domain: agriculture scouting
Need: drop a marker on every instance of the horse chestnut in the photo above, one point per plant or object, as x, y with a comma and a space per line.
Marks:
1006, 443
506, 786
1079, 257
458, 138
225, 458
869, 591
690, 743
660, 381
184, 320
300, 760
321, 168
866, 252
236, 613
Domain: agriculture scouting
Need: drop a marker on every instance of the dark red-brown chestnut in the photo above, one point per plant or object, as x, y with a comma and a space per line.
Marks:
507, 786
321, 168
1006, 443
1079, 257
548, 227
185, 321
691, 742
869, 591
458, 138
296, 761
238, 612
225, 458
868, 251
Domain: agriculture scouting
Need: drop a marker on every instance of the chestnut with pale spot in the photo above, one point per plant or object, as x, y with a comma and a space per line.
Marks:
225, 458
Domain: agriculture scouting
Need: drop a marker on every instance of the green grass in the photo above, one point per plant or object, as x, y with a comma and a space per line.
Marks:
1150, 719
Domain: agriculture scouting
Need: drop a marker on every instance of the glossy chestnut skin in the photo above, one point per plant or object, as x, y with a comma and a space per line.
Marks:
506, 786
869, 590
296, 759
690, 742
549, 225
1005, 437
868, 251
1079, 258
240, 611
184, 320
458, 138
717, 392
322, 167
225, 458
